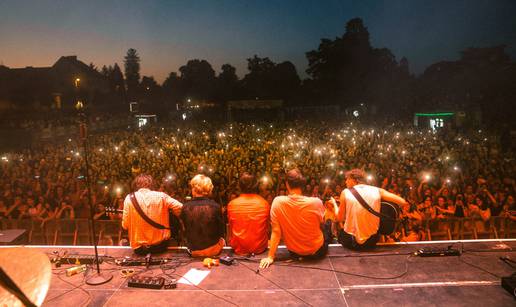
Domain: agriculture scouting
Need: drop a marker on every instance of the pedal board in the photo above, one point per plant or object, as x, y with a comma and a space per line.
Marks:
170, 284
140, 261
437, 252
79, 259
146, 282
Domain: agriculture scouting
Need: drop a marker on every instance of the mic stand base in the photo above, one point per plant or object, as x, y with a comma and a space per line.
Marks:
99, 279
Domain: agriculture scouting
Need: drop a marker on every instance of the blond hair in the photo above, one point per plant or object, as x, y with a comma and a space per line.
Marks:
201, 185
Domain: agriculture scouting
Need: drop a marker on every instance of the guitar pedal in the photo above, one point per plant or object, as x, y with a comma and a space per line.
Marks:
145, 282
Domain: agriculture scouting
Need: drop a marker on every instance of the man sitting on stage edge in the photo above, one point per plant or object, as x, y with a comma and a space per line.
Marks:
360, 227
202, 219
299, 221
146, 216
248, 217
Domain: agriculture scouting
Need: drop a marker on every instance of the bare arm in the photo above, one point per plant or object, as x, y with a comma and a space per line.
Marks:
275, 238
173, 204
388, 196
342, 208
490, 196
125, 214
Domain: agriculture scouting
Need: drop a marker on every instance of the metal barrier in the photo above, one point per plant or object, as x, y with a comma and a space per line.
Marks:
110, 232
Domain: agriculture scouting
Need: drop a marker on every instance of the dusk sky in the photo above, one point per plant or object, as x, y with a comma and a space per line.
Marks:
167, 34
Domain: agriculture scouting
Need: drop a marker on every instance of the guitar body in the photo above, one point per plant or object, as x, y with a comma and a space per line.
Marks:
389, 221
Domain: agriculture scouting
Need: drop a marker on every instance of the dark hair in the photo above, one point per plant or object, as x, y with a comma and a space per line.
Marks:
247, 183
143, 181
356, 174
295, 179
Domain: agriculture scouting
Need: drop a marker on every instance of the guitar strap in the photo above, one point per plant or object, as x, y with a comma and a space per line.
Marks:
366, 206
143, 215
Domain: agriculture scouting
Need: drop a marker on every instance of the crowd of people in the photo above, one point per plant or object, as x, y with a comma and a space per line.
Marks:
442, 174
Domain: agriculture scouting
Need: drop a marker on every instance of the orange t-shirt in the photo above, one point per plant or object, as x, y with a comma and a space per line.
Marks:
155, 205
248, 217
299, 218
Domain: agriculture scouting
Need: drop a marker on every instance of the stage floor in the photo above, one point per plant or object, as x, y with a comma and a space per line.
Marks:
473, 279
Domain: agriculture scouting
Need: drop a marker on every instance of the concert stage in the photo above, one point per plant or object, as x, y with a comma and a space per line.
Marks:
391, 276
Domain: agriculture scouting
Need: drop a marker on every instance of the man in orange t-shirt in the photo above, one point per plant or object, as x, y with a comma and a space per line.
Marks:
145, 238
248, 217
299, 221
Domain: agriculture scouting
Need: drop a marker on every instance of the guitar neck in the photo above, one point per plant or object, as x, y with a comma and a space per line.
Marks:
113, 210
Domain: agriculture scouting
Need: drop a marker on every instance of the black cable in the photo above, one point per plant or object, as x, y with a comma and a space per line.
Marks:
342, 272
509, 262
475, 266
75, 287
277, 285
369, 255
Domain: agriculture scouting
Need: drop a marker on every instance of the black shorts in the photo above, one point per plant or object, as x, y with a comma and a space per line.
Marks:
152, 249
349, 241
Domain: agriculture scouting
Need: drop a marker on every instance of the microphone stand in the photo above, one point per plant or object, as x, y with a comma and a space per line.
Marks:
98, 278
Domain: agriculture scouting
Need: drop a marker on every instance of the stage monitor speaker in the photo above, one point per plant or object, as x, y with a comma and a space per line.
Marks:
13, 237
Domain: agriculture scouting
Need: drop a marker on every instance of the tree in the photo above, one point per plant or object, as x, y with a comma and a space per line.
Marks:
132, 72
227, 83
285, 81
93, 67
105, 71
349, 71
257, 83
151, 93
198, 79
268, 80
173, 89
481, 80
116, 80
